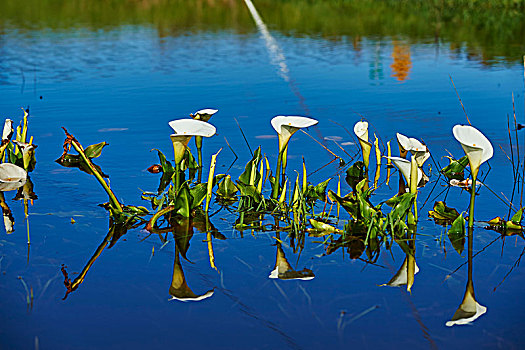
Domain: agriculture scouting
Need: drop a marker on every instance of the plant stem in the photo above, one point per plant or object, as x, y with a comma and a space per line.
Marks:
177, 177
99, 177
198, 143
471, 207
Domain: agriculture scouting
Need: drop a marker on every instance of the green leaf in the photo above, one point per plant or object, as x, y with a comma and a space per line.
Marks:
249, 191
455, 169
251, 175
516, 218
355, 173
443, 214
349, 203
227, 188
456, 234
320, 189
94, 151
183, 201
198, 193
324, 227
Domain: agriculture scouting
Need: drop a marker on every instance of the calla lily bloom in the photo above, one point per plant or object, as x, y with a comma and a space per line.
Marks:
469, 310
204, 114
11, 176
184, 129
404, 167
415, 147
361, 131
284, 271
286, 126
476, 146
478, 150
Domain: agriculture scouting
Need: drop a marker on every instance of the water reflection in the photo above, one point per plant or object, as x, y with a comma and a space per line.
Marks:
469, 310
116, 231
179, 289
283, 270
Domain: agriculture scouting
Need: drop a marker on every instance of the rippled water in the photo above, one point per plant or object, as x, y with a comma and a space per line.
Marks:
122, 84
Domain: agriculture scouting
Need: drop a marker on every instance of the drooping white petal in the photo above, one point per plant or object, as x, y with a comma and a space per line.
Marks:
361, 130
204, 114
476, 145
191, 127
404, 167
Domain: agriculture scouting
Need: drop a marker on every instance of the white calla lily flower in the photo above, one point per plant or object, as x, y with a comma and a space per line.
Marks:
204, 114
469, 310
184, 130
415, 147
361, 131
286, 126
476, 146
404, 167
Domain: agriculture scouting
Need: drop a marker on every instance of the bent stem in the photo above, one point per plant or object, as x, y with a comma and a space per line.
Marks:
114, 202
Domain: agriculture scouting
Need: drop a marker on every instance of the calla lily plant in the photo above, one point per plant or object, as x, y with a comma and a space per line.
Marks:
184, 130
286, 126
478, 150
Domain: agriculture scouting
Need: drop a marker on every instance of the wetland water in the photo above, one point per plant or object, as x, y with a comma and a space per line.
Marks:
120, 72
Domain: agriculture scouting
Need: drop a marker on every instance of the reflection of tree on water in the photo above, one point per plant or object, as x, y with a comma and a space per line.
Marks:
469, 309
402, 62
